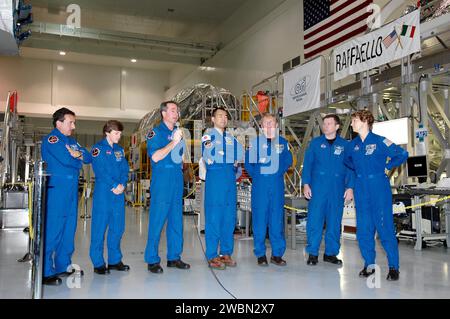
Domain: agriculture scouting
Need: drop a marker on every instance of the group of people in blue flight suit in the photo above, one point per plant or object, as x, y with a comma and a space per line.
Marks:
64, 158
266, 160
335, 171
221, 153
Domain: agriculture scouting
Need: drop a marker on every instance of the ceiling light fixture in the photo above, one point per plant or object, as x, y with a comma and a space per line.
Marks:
207, 68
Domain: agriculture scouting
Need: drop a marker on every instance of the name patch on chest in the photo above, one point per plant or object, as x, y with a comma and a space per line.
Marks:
118, 155
370, 149
279, 148
338, 150
74, 147
228, 140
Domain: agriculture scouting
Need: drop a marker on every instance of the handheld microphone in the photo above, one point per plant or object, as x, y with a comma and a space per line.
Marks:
177, 126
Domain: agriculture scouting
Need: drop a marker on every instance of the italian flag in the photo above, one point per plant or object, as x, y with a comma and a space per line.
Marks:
408, 30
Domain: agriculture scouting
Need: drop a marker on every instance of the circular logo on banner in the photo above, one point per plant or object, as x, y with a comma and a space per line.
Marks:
95, 152
300, 88
53, 139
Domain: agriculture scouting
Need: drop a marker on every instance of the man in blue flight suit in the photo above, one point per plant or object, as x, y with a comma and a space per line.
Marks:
108, 206
221, 152
327, 183
64, 158
266, 160
165, 147
368, 155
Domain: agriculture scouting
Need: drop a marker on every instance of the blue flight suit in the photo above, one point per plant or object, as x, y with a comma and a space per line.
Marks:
166, 196
327, 176
108, 210
373, 196
220, 152
62, 200
266, 161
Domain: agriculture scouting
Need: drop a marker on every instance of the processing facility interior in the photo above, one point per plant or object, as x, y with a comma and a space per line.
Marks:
296, 60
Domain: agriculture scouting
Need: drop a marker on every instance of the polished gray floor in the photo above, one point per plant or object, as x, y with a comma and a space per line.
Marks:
424, 274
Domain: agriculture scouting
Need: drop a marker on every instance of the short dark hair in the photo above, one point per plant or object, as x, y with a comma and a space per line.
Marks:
60, 114
214, 111
163, 106
332, 116
365, 116
112, 125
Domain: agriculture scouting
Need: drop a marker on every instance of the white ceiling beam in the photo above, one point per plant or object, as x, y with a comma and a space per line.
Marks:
82, 112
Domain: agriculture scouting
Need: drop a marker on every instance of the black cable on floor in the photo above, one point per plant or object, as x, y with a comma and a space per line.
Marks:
206, 258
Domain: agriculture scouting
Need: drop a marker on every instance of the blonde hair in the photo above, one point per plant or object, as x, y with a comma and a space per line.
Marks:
266, 115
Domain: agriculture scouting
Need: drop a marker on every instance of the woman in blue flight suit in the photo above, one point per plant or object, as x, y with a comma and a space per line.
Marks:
368, 155
108, 206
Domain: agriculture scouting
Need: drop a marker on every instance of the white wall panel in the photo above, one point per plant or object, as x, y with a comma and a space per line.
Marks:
92, 91
32, 80
143, 90
87, 85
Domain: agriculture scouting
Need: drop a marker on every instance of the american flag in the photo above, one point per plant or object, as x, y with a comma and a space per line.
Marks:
390, 39
328, 23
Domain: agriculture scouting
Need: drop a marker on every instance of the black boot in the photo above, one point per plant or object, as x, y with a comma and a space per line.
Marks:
178, 264
312, 260
102, 270
365, 273
332, 259
262, 261
393, 274
155, 268
52, 281
120, 267
278, 261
